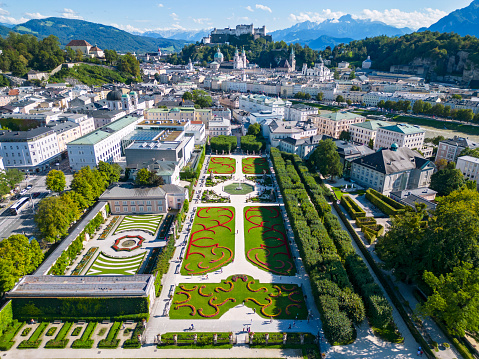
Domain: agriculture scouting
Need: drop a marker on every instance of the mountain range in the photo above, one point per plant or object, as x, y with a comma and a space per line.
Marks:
176, 34
104, 36
461, 21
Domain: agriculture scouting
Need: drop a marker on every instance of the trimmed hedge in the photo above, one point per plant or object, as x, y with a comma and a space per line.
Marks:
6, 340
6, 317
354, 210
111, 342
134, 343
34, 341
163, 263
85, 342
385, 204
60, 342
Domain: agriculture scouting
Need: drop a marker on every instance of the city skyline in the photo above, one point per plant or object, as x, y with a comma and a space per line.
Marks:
185, 15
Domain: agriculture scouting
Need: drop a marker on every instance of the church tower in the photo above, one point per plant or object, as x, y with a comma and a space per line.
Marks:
305, 69
292, 60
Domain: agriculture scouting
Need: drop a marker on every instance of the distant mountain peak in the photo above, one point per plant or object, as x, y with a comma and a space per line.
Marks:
463, 21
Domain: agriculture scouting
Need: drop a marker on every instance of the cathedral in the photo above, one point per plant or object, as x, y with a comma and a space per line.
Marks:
116, 100
288, 66
240, 62
319, 71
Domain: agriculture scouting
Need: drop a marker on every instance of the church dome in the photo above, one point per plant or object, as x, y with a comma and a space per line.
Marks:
114, 95
218, 55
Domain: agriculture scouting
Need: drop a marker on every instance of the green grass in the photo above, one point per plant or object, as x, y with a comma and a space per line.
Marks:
339, 194
204, 341
266, 243
212, 241
245, 189
147, 223
60, 342
104, 265
255, 165
281, 302
111, 342
85, 342
34, 341
320, 107
222, 165
6, 340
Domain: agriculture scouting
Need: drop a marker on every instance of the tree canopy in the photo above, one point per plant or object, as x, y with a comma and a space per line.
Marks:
55, 181
326, 159
447, 180
223, 143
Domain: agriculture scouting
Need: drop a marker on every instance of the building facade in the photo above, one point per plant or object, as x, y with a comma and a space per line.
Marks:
334, 123
219, 126
258, 103
450, 149
469, 166
366, 131
402, 134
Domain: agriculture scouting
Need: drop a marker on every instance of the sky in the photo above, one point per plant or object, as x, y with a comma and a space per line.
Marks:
148, 15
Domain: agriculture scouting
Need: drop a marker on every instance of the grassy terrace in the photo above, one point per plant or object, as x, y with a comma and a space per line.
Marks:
105, 265
212, 240
266, 242
222, 165
255, 165
147, 223
211, 301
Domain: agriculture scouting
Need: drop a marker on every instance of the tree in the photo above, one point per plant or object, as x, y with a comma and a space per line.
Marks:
319, 96
54, 216
142, 177
78, 55
202, 99
401, 248
223, 143
111, 172
13, 177
339, 99
418, 107
56, 181
18, 257
111, 57
457, 97
326, 159
455, 299
187, 96
440, 163
470, 152
345, 136
156, 180
352, 75
371, 143
254, 129
447, 180
129, 65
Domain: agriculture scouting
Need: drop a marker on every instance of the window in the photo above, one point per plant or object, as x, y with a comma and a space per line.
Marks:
117, 203
160, 208
132, 203
117, 209
124, 203
133, 209
141, 208
148, 208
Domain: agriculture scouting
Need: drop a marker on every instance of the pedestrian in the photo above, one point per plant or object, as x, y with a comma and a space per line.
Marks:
254, 310
289, 326
271, 319
243, 329
418, 353
421, 353
251, 320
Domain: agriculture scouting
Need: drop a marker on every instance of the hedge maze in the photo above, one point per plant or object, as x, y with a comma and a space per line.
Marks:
222, 165
266, 242
106, 265
147, 222
211, 244
211, 301
255, 165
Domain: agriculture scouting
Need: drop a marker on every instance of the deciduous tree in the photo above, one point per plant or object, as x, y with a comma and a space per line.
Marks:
55, 181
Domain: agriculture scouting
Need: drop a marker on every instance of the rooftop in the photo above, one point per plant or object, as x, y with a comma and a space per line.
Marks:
128, 191
404, 128
339, 116
371, 125
21, 136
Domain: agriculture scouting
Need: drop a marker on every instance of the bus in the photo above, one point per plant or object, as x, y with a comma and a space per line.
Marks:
17, 207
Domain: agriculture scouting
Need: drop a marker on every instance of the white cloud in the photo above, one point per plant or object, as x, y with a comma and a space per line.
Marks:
160, 5
325, 14
70, 14
35, 15
244, 18
249, 8
9, 19
127, 28
201, 20
174, 16
398, 18
4, 12
263, 7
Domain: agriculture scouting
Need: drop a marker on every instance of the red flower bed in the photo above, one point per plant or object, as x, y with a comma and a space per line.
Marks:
129, 249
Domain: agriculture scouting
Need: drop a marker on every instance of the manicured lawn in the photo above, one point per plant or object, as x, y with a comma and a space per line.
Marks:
266, 243
245, 189
222, 165
255, 165
106, 265
212, 240
204, 301
147, 223
339, 194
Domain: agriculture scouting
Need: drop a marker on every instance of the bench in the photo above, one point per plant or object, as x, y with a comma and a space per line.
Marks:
129, 321
81, 322
57, 321
105, 322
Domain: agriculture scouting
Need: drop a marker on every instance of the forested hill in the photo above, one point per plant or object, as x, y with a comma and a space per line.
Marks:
260, 52
444, 54
106, 37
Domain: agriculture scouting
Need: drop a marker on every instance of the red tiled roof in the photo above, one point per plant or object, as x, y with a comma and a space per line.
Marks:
13, 92
78, 43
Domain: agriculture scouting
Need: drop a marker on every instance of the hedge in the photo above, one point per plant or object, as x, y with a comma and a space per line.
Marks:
34, 341
134, 343
387, 287
80, 308
60, 342
111, 342
163, 263
352, 207
385, 204
85, 342
6, 340
6, 317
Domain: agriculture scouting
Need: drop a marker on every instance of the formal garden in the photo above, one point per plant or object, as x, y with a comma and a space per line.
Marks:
255, 165
147, 222
212, 300
238, 189
266, 242
222, 165
107, 265
212, 241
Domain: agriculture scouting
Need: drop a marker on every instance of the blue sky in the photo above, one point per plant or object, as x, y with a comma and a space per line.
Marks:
142, 15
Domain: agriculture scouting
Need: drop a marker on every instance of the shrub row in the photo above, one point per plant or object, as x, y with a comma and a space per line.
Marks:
385, 204
34, 341
415, 333
370, 228
187, 339
111, 342
60, 342
163, 263
352, 207
134, 343
328, 276
6, 340
189, 173
378, 310
85, 342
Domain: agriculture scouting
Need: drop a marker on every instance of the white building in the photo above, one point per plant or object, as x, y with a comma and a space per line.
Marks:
277, 130
32, 150
103, 144
239, 61
365, 131
320, 72
403, 135
469, 166
450, 149
258, 103
87, 124
219, 126
366, 65
299, 112
332, 124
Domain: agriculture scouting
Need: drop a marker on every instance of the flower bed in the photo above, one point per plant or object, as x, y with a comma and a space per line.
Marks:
108, 228
212, 197
84, 261
117, 247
